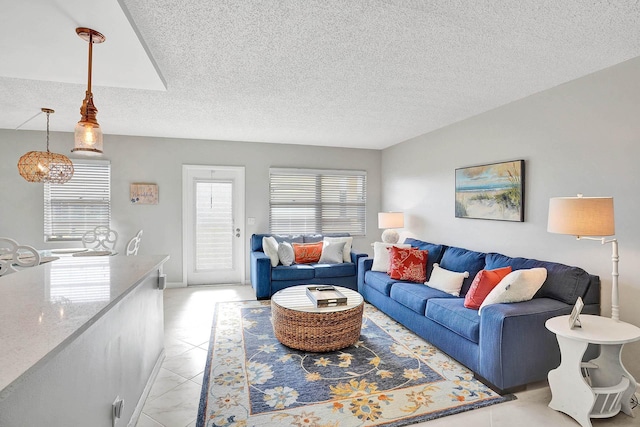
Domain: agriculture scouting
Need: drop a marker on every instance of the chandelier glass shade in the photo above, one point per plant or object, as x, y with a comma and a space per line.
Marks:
88, 135
45, 166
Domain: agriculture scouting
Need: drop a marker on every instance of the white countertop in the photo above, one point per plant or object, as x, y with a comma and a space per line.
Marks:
44, 308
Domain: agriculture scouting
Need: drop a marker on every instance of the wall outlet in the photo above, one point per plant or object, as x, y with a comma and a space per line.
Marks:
251, 221
116, 409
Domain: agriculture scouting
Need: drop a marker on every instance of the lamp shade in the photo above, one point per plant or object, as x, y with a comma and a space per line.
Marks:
390, 220
581, 216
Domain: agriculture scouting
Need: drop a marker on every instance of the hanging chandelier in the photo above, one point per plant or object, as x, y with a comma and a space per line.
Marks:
45, 166
88, 135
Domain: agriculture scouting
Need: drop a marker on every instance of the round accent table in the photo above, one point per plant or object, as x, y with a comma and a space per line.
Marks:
601, 387
298, 324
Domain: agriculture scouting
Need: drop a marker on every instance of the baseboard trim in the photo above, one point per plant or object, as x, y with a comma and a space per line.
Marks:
147, 389
176, 285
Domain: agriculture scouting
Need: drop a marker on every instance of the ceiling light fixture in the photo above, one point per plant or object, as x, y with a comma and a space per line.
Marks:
88, 135
45, 166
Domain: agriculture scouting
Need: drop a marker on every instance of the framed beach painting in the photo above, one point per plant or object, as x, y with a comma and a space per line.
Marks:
493, 191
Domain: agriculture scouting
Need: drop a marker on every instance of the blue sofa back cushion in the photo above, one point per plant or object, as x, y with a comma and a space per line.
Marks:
564, 283
461, 260
256, 239
435, 252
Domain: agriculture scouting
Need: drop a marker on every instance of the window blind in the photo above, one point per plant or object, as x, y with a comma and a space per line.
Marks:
79, 205
317, 201
214, 225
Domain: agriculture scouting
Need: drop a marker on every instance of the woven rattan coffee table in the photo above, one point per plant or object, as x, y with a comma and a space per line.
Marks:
298, 324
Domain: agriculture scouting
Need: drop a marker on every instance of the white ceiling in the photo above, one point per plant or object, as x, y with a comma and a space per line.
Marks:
357, 73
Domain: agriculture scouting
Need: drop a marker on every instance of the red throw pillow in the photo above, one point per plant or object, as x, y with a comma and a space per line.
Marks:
408, 264
307, 253
482, 284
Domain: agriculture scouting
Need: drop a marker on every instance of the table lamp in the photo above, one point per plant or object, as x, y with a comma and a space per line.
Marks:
585, 217
389, 221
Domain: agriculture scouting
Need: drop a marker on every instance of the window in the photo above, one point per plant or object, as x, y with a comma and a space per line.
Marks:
79, 205
317, 201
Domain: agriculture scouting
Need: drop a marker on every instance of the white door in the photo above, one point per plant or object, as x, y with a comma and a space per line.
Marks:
213, 232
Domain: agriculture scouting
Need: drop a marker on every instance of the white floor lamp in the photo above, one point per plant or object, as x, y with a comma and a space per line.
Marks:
586, 217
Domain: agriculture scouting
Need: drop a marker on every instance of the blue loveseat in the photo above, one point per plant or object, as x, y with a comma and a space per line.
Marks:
508, 345
267, 280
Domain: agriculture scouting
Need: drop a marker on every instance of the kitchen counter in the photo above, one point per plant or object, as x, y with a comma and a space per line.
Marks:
53, 308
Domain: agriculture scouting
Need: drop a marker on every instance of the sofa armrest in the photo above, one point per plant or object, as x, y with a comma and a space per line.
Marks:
364, 265
355, 256
261, 274
515, 344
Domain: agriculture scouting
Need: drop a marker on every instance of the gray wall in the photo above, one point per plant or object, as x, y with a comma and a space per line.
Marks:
158, 160
581, 137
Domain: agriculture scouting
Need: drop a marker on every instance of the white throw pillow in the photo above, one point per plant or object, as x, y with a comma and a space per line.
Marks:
348, 241
517, 286
332, 253
285, 253
381, 256
446, 281
270, 248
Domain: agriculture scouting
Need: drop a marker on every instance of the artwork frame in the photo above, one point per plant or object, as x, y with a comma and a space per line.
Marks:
493, 191
143, 194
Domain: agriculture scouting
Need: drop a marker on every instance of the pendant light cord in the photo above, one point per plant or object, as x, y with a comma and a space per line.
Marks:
48, 132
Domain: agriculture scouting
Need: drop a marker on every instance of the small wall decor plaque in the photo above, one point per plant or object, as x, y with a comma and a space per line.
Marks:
144, 194
494, 191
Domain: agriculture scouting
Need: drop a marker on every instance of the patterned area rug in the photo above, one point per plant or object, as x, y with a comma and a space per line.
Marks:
390, 377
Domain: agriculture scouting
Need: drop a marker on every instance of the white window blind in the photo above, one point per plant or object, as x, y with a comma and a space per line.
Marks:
317, 201
214, 225
79, 205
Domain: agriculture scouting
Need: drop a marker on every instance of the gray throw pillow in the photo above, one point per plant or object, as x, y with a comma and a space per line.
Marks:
332, 253
285, 253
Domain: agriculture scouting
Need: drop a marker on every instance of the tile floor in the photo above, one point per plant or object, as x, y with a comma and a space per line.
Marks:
173, 400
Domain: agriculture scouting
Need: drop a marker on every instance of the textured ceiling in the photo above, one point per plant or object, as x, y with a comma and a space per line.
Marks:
359, 73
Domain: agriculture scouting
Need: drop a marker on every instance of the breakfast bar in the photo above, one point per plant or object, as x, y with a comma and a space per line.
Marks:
76, 336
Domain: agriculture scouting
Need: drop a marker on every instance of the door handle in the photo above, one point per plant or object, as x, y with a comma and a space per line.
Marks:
237, 232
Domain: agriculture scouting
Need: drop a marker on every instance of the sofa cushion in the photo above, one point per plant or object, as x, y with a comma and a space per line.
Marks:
415, 295
461, 260
256, 240
435, 252
564, 283
379, 281
453, 315
294, 272
334, 270
408, 264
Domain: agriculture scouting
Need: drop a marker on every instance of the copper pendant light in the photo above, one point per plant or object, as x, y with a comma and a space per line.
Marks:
88, 135
45, 166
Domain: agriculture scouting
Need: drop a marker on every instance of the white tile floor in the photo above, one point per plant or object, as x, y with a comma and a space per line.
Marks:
173, 400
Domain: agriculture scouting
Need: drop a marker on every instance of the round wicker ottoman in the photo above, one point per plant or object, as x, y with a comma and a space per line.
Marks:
300, 325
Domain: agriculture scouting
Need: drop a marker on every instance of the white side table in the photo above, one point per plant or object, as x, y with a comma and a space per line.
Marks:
600, 388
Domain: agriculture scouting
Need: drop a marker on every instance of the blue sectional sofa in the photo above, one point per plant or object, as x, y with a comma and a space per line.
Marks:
508, 345
267, 280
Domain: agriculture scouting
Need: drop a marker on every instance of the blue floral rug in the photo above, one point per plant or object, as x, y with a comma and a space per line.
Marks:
390, 377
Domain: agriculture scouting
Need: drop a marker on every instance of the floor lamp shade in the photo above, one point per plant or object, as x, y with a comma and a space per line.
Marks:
581, 216
586, 218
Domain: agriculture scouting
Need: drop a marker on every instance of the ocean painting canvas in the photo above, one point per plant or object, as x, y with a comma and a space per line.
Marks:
494, 191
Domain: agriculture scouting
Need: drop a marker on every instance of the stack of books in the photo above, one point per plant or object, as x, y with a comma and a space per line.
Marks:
325, 296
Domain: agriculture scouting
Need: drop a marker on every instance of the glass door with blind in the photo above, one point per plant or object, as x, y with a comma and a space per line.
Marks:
213, 225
